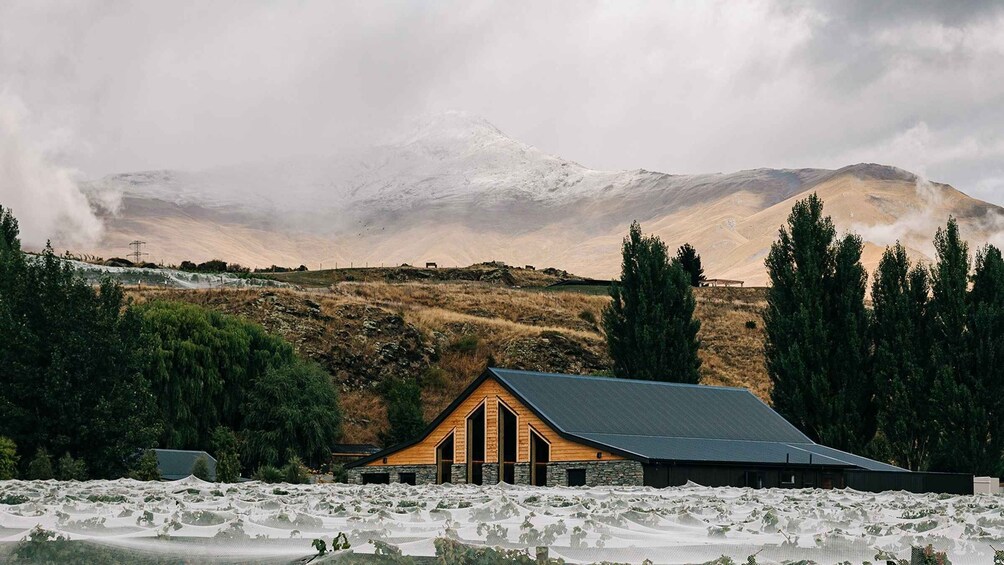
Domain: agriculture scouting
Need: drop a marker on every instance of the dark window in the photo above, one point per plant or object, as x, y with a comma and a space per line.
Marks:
540, 455
787, 479
576, 477
754, 479
507, 444
406, 478
475, 445
376, 478
444, 460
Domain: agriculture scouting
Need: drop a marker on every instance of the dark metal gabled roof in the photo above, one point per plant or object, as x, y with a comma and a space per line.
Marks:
599, 405
657, 421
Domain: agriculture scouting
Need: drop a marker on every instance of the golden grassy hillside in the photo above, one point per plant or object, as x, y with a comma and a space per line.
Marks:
446, 333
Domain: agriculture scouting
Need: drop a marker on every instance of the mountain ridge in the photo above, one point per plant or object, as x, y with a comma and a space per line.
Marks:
456, 190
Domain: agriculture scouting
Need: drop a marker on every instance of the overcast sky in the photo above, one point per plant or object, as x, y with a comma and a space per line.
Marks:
679, 87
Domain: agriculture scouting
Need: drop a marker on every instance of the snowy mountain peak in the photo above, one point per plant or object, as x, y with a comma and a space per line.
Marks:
448, 128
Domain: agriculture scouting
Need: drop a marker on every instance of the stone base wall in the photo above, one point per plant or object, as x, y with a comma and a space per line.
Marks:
424, 474
598, 473
522, 473
490, 474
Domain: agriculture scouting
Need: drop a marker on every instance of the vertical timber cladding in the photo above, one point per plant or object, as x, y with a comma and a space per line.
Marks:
489, 394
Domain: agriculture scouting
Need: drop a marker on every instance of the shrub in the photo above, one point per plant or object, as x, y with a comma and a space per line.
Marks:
40, 467
339, 474
295, 472
751, 324
434, 378
8, 459
200, 469
465, 344
268, 474
71, 469
228, 467
147, 468
588, 317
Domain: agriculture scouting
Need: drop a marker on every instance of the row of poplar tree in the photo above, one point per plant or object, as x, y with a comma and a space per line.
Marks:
918, 378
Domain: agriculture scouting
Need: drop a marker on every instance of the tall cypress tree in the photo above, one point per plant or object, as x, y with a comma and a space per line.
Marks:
986, 358
691, 263
903, 371
960, 415
650, 325
816, 347
851, 390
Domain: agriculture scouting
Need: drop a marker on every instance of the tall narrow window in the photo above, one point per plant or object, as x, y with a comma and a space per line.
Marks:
540, 455
476, 446
507, 444
444, 460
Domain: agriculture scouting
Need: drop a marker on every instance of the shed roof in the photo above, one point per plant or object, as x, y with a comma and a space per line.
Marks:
653, 421
177, 464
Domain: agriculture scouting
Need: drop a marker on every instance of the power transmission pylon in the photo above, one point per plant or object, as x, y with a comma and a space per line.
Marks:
137, 250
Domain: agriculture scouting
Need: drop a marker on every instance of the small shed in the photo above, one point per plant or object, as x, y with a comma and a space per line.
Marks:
176, 464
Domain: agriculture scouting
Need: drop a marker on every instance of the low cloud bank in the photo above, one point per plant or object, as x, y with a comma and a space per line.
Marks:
43, 195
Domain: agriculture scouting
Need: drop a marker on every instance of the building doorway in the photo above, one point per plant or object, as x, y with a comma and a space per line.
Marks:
507, 444
476, 446
540, 455
444, 461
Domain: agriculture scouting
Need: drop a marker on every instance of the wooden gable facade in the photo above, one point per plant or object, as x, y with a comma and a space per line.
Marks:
493, 399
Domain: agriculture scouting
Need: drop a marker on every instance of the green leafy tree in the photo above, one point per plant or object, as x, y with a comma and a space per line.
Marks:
650, 325
817, 346
404, 411
688, 258
902, 364
292, 408
200, 469
210, 370
70, 469
8, 456
40, 466
147, 468
200, 365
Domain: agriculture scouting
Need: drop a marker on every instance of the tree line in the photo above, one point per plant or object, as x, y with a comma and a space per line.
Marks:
916, 379
92, 379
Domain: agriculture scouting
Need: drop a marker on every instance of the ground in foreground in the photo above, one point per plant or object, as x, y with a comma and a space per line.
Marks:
255, 522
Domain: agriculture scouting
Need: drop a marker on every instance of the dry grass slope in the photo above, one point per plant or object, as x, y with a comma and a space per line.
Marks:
446, 333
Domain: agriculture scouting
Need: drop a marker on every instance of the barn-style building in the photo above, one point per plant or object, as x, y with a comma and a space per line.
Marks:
545, 429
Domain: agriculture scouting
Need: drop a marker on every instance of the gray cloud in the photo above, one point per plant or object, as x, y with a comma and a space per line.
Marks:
677, 87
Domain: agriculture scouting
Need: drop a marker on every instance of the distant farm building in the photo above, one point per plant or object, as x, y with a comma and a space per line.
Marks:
431, 265
544, 429
723, 282
530, 268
